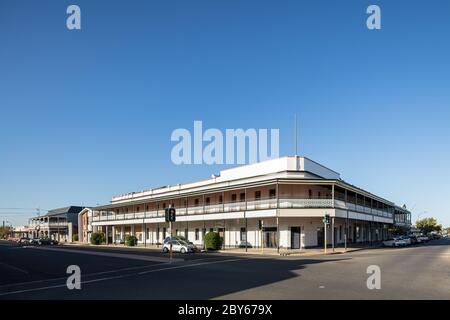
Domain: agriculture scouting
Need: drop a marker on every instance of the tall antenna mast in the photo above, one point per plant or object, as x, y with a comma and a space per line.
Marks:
296, 134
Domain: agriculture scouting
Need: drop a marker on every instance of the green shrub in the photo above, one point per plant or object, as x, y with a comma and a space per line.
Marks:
131, 241
75, 237
213, 241
97, 238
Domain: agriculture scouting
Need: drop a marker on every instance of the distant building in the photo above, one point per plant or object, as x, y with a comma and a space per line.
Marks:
402, 217
85, 225
59, 224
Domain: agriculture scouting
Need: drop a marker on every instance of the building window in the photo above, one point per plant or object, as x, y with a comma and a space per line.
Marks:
318, 194
272, 193
164, 205
126, 210
208, 200
211, 229
197, 234
257, 195
185, 202
220, 199
196, 202
310, 194
233, 197
242, 196
146, 208
137, 209
176, 232
243, 236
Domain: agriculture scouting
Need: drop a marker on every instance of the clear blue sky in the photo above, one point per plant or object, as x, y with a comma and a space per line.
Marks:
88, 114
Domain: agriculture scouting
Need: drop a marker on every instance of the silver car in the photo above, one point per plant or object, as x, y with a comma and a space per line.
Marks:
178, 246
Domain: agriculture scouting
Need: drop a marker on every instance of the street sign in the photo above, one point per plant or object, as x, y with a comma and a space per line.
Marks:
170, 214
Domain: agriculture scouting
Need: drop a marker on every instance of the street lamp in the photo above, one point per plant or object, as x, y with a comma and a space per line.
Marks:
418, 216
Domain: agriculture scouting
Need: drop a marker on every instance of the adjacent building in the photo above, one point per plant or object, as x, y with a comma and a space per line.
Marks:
59, 224
279, 203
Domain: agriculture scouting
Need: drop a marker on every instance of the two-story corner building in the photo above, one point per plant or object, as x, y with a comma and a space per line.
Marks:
279, 203
59, 224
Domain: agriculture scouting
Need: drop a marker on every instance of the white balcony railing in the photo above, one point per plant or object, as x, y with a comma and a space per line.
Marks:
282, 203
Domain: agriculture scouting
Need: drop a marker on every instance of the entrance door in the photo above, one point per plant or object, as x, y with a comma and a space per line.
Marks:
295, 237
320, 237
270, 237
221, 232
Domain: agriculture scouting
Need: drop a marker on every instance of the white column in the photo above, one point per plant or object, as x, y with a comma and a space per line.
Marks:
113, 228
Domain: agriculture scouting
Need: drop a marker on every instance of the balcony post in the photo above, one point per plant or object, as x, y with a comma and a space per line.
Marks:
203, 203
277, 194
332, 195
245, 191
223, 201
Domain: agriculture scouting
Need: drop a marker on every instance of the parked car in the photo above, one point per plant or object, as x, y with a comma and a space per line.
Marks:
178, 246
244, 244
180, 238
406, 239
43, 241
24, 240
422, 239
395, 242
34, 241
413, 239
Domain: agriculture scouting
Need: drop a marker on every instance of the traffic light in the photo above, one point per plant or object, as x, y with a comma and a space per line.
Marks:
327, 219
170, 214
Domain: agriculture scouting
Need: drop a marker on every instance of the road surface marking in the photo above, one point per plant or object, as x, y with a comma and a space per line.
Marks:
117, 277
110, 254
14, 268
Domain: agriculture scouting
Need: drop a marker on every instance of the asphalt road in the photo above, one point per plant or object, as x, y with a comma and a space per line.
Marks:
416, 272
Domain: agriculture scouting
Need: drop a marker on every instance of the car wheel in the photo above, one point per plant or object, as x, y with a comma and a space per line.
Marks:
183, 250
165, 250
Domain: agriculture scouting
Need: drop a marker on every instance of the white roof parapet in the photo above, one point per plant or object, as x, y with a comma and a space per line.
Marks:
292, 163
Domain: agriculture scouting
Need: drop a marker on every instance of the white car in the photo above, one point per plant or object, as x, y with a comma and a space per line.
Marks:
406, 239
422, 239
395, 242
178, 246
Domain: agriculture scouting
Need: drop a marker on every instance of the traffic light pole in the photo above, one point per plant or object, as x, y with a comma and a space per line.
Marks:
325, 236
170, 252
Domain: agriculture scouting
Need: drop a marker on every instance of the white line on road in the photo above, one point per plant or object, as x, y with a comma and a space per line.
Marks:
9, 285
118, 276
14, 268
110, 254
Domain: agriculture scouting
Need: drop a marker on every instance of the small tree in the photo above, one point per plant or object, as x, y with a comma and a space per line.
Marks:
131, 241
213, 241
428, 225
97, 238
4, 232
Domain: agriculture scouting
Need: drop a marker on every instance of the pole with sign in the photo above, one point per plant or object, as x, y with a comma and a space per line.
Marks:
170, 215
326, 222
